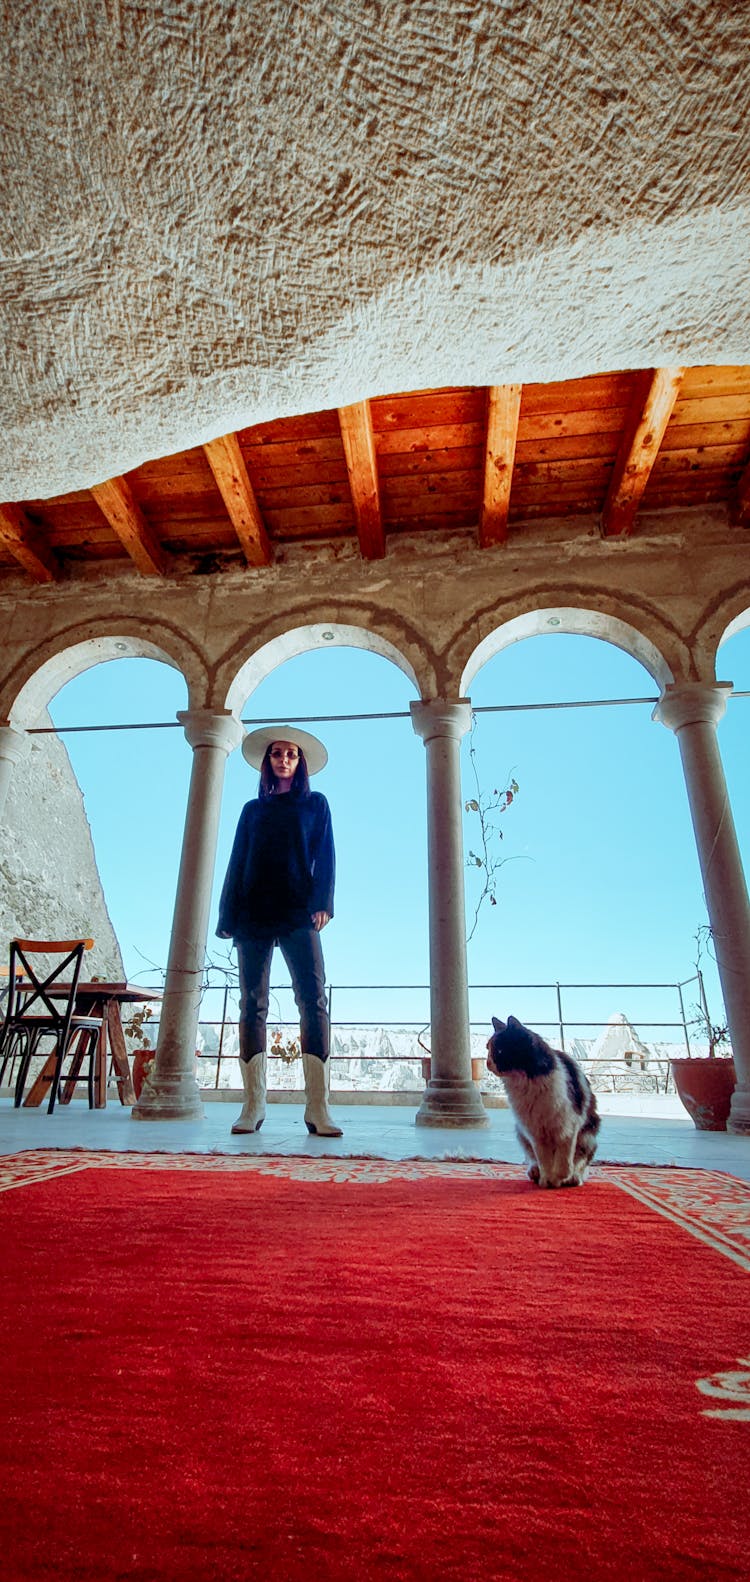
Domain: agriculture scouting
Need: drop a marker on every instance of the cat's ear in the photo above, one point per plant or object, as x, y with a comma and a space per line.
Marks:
498, 1026
513, 1021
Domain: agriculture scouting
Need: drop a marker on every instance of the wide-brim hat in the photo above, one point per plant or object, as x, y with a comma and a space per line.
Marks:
255, 743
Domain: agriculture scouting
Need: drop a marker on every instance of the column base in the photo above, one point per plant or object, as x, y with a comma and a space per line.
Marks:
739, 1112
450, 1101
169, 1099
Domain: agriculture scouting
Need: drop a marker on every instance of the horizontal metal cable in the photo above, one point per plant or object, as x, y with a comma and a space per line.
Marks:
336, 719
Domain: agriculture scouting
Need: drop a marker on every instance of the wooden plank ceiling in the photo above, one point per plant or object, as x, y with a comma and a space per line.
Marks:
476, 459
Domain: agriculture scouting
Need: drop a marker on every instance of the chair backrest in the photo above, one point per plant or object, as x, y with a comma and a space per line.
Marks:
35, 990
5, 987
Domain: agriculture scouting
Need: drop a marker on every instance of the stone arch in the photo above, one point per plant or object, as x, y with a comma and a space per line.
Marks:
291, 641
730, 615
43, 670
652, 641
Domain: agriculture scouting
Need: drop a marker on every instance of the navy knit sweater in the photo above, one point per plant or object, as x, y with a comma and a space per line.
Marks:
282, 866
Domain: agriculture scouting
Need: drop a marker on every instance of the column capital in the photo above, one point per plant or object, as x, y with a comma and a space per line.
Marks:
692, 703
211, 728
14, 742
440, 717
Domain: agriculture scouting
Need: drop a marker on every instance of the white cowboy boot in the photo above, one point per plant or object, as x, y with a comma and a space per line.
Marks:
317, 1118
253, 1111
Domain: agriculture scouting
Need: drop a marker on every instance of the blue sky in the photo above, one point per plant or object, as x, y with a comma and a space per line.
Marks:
602, 886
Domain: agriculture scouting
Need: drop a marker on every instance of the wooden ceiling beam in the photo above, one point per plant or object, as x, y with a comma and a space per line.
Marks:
503, 407
361, 461
116, 501
227, 464
21, 539
656, 392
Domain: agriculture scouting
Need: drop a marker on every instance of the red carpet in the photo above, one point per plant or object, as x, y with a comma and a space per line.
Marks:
232, 1368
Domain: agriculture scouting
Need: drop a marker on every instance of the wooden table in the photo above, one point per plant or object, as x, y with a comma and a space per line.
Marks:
96, 998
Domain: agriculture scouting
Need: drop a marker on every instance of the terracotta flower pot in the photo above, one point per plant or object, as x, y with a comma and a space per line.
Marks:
141, 1061
478, 1068
705, 1087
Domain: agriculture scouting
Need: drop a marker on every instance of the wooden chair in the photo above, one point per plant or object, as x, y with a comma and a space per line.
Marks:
10, 1048
41, 1007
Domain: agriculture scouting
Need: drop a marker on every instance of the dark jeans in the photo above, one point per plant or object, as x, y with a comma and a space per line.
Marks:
303, 955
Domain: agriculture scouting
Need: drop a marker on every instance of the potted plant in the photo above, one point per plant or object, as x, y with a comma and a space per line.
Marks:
143, 1058
285, 1049
705, 1083
478, 1066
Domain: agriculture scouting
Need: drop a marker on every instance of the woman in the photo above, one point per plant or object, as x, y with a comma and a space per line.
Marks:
279, 891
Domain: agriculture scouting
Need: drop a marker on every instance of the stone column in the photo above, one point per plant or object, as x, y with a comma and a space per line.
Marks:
14, 745
171, 1093
451, 1098
692, 710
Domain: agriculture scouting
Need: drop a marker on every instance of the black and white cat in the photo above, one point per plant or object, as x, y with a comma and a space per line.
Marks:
554, 1107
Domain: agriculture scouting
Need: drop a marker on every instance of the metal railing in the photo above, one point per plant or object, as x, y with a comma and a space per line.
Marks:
562, 1027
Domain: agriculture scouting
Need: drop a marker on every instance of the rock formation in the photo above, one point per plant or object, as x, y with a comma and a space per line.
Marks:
49, 882
220, 214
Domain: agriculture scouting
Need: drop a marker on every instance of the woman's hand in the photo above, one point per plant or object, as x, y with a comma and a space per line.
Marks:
319, 920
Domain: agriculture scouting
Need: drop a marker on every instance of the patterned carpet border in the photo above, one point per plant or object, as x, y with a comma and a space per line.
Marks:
711, 1205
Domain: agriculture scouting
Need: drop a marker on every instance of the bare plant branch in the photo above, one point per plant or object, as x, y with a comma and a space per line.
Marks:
716, 1033
489, 808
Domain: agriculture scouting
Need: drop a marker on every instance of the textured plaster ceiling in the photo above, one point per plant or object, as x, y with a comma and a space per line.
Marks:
216, 214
